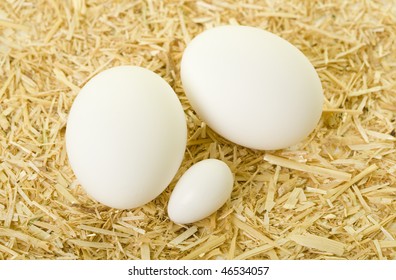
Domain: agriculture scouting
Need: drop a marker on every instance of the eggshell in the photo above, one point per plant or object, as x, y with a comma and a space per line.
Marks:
201, 191
126, 136
252, 87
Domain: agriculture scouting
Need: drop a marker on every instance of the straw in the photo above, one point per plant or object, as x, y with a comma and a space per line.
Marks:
331, 196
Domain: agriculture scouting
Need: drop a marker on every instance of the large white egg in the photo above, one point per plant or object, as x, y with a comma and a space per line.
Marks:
202, 190
252, 87
126, 136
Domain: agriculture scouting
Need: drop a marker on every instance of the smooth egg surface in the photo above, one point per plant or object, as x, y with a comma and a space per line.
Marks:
252, 87
126, 136
201, 191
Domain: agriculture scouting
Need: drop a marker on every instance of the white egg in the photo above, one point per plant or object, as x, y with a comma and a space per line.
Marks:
201, 191
126, 136
252, 87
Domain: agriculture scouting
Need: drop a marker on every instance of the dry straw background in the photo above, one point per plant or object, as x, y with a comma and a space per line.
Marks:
331, 196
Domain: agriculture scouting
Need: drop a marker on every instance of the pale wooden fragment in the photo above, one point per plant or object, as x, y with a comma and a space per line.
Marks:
319, 243
145, 251
307, 168
254, 252
354, 180
91, 244
186, 234
212, 242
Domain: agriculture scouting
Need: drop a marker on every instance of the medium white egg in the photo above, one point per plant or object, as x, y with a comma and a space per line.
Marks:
201, 191
126, 136
252, 87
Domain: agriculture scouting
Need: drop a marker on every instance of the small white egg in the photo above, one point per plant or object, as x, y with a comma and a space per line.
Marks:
252, 87
201, 191
126, 136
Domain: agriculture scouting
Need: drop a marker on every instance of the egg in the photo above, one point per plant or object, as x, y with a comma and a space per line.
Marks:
201, 191
126, 136
252, 87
